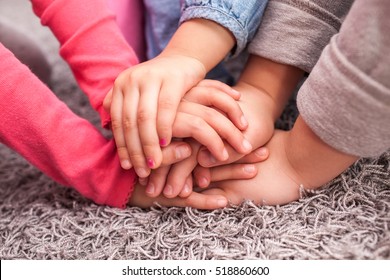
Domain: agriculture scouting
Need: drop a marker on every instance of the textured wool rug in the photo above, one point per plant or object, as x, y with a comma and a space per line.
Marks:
39, 219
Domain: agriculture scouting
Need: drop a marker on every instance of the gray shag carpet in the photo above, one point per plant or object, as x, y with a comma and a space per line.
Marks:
39, 219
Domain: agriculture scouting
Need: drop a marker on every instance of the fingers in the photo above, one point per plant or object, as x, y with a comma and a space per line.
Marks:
206, 159
157, 181
132, 132
221, 86
175, 152
187, 125
187, 189
146, 120
258, 155
205, 176
117, 128
212, 96
205, 201
168, 102
179, 179
203, 118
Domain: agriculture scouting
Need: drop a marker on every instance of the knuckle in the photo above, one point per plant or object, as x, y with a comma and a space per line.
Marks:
197, 124
165, 103
116, 125
144, 116
128, 124
137, 158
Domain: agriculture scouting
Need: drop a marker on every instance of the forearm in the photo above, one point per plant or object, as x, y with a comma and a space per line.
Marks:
315, 161
203, 40
276, 80
346, 98
91, 43
69, 149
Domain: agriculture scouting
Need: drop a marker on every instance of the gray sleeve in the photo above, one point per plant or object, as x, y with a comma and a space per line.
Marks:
346, 98
295, 32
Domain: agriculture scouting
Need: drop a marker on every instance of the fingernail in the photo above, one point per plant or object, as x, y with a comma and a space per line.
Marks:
150, 188
261, 152
186, 189
142, 172
143, 181
211, 159
235, 91
163, 142
225, 154
221, 202
168, 190
249, 168
203, 182
244, 122
182, 151
246, 145
150, 162
125, 164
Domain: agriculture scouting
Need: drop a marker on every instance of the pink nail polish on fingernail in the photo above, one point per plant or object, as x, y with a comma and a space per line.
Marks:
163, 142
150, 162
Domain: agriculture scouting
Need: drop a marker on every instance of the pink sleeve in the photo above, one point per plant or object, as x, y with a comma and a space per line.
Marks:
91, 43
130, 18
36, 124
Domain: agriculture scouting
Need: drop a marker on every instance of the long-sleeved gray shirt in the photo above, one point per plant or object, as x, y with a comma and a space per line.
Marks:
346, 98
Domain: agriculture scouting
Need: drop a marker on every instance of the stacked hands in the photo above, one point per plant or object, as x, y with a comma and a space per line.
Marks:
195, 142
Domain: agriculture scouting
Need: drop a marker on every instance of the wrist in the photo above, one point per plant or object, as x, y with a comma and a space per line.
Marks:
202, 39
315, 162
260, 98
276, 80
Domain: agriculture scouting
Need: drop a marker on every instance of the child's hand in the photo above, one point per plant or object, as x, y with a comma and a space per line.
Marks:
206, 94
244, 168
298, 160
257, 107
143, 105
195, 200
277, 182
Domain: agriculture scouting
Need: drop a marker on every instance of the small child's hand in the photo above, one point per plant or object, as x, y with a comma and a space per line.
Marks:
143, 105
174, 180
195, 200
256, 106
177, 179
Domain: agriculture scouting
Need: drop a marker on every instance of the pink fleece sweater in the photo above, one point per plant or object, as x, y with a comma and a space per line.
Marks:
36, 124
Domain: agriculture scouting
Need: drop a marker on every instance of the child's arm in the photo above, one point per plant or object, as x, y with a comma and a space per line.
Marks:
91, 43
